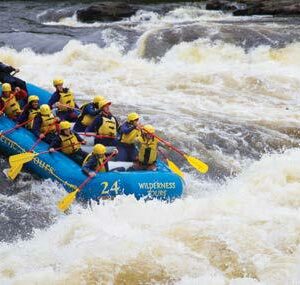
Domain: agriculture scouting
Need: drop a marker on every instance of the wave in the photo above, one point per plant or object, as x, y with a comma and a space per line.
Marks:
230, 105
244, 231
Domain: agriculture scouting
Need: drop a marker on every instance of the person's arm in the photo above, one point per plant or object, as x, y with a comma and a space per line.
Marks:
126, 128
1, 105
6, 68
55, 142
79, 138
91, 110
24, 116
37, 122
95, 125
90, 165
21, 95
54, 98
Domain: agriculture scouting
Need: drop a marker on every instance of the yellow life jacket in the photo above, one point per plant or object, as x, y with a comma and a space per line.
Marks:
100, 160
32, 114
148, 150
48, 124
130, 137
108, 127
86, 119
69, 144
66, 98
12, 107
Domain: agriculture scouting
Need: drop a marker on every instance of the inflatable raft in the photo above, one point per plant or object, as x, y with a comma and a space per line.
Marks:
161, 184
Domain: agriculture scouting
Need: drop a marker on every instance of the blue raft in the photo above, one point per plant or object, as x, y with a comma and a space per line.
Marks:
161, 184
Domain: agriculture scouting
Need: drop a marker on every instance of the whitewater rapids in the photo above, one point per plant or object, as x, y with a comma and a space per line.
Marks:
236, 108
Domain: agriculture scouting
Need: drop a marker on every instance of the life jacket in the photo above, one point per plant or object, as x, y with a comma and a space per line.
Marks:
86, 119
32, 114
148, 150
69, 144
130, 137
99, 159
12, 107
48, 124
66, 98
108, 127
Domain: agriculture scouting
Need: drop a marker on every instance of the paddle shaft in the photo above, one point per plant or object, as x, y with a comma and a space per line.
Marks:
67, 106
58, 148
96, 136
14, 128
162, 154
169, 144
7, 102
39, 139
97, 170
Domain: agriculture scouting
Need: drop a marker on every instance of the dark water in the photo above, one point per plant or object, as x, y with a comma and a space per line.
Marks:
22, 27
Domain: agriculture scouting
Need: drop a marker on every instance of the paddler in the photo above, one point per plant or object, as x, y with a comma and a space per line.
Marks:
31, 110
11, 101
70, 142
63, 99
88, 113
105, 126
45, 124
148, 147
95, 159
129, 131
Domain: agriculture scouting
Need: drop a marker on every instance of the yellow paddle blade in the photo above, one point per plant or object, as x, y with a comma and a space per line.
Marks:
14, 171
196, 163
21, 158
175, 168
66, 202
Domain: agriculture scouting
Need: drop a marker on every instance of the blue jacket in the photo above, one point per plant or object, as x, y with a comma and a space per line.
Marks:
126, 128
54, 98
89, 109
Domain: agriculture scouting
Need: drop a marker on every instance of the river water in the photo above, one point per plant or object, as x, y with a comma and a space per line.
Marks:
224, 89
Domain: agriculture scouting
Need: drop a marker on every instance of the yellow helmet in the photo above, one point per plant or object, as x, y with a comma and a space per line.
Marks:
64, 125
103, 103
6, 87
149, 129
58, 81
98, 99
33, 98
99, 149
132, 117
45, 109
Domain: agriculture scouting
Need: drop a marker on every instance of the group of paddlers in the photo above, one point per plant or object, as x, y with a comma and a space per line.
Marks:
52, 123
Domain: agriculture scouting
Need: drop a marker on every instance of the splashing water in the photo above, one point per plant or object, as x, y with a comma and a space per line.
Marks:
233, 106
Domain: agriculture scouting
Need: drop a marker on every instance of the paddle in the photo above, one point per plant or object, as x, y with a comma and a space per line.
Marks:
18, 160
96, 136
193, 161
15, 127
66, 202
172, 165
6, 103
67, 106
20, 157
